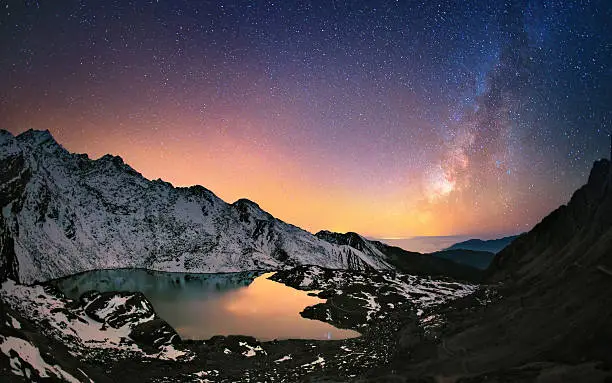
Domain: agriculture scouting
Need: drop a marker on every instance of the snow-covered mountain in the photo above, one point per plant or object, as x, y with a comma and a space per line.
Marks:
64, 213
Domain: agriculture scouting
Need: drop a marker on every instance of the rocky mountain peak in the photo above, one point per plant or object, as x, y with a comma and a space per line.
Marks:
601, 173
111, 158
246, 202
42, 138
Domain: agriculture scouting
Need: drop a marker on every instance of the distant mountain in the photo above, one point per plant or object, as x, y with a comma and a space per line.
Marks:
491, 246
478, 259
550, 315
403, 260
64, 213
476, 253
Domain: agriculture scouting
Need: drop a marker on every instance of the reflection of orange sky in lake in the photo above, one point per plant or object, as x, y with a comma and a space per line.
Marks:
200, 306
266, 297
265, 310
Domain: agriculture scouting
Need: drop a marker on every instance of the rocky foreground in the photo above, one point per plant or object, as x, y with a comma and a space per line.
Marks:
118, 336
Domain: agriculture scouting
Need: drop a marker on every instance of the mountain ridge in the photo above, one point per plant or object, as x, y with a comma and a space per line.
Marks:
588, 213
406, 261
489, 245
66, 213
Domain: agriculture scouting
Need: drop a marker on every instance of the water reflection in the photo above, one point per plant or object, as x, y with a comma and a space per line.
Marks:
200, 306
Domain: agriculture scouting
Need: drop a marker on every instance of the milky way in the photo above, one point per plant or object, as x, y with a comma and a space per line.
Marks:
391, 118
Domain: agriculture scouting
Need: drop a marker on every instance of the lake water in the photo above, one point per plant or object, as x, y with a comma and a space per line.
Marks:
200, 306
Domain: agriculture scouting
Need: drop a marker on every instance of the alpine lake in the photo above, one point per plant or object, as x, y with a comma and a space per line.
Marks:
200, 306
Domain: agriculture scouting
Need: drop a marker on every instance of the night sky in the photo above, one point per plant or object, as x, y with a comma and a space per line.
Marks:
389, 118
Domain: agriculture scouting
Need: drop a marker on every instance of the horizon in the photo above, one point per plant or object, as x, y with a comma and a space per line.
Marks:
415, 243
422, 127
422, 243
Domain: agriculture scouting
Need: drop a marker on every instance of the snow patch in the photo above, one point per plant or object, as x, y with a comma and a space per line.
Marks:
14, 323
251, 351
319, 362
30, 354
283, 359
371, 304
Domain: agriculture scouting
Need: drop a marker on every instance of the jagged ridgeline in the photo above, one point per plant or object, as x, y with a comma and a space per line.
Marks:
574, 237
64, 213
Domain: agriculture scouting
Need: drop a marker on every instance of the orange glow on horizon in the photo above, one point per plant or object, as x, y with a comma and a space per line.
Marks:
301, 191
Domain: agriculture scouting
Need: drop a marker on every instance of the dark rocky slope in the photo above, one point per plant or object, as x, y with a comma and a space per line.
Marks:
551, 320
478, 259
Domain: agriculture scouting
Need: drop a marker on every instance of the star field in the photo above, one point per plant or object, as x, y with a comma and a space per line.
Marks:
389, 118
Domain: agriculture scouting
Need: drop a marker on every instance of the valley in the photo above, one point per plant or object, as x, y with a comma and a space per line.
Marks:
82, 243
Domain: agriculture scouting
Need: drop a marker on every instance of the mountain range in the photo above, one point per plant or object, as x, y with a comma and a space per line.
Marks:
473, 258
64, 213
490, 245
409, 261
476, 253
